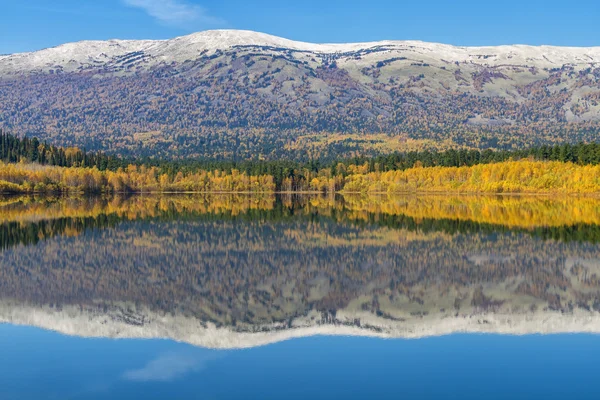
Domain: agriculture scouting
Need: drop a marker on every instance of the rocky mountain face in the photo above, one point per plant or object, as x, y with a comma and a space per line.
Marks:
246, 94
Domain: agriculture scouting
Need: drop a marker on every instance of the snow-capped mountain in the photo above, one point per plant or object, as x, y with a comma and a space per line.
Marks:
117, 94
94, 54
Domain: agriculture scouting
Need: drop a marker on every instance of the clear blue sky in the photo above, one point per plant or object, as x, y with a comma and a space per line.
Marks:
33, 24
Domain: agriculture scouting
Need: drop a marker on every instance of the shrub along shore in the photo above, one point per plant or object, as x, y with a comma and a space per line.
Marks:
28, 166
543, 177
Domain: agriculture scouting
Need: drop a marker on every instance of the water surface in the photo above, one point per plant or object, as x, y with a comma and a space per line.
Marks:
299, 297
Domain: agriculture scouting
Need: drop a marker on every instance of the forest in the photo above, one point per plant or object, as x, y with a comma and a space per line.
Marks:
30, 166
250, 102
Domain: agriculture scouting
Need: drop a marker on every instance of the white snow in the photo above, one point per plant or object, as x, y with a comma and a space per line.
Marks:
72, 56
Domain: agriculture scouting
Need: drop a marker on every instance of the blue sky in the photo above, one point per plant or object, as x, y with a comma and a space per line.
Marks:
27, 25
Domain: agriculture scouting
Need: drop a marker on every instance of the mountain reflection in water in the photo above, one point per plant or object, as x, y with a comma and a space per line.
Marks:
237, 271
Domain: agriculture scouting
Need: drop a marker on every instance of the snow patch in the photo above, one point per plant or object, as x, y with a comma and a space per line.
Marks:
74, 56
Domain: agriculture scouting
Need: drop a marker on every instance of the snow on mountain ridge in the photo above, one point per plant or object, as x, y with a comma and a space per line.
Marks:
77, 53
72, 56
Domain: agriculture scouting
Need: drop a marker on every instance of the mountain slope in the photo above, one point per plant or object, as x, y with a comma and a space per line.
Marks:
247, 94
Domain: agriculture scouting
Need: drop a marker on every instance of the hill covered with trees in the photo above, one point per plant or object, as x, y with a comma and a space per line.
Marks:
244, 95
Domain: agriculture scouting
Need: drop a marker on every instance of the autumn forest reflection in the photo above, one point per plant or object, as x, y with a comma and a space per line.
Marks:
28, 219
260, 268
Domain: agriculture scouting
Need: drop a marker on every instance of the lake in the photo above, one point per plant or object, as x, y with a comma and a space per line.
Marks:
231, 296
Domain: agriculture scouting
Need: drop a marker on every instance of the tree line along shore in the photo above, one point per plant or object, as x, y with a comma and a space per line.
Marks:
29, 166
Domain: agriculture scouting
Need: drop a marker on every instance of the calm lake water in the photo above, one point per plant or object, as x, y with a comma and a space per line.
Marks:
227, 297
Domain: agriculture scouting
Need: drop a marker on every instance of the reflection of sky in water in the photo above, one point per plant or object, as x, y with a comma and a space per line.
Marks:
35, 364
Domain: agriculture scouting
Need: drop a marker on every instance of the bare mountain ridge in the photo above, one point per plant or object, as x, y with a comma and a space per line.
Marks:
239, 93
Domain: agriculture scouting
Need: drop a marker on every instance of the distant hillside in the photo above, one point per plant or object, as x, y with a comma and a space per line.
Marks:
246, 94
